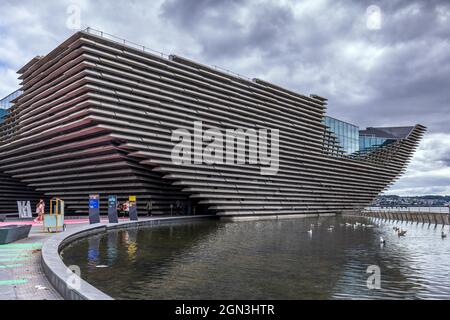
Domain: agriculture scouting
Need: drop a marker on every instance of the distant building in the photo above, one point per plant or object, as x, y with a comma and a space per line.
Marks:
7, 102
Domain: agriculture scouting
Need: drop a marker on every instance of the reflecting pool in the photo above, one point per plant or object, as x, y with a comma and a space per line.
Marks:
272, 259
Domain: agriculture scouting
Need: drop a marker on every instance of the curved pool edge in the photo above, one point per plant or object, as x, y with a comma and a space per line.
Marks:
61, 277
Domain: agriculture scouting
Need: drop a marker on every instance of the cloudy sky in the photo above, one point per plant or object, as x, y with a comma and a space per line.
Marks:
379, 63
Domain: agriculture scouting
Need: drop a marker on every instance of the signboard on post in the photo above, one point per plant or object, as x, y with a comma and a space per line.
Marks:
94, 208
112, 209
133, 208
24, 208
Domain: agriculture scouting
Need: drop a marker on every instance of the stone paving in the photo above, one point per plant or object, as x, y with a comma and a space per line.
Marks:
21, 274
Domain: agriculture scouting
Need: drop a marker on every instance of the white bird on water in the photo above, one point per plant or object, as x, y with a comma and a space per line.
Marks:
310, 231
382, 241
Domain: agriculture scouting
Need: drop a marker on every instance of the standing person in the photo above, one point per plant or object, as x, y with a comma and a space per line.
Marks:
149, 207
119, 209
40, 209
178, 207
126, 208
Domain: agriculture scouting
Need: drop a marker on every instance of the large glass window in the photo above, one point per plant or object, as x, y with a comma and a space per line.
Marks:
368, 143
6, 103
346, 134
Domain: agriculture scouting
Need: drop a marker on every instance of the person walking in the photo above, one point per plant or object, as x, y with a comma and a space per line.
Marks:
40, 209
149, 208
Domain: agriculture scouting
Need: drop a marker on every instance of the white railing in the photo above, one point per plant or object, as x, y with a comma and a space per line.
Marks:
155, 52
124, 42
410, 209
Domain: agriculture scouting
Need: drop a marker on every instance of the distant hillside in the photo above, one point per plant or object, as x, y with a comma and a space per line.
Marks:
428, 200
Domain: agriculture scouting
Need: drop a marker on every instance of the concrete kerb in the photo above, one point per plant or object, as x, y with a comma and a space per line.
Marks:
62, 278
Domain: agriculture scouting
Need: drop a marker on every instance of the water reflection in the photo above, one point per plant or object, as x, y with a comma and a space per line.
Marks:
129, 237
275, 259
93, 251
112, 247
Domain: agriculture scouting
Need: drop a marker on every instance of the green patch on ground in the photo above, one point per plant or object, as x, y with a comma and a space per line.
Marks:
14, 254
12, 259
12, 282
21, 246
7, 266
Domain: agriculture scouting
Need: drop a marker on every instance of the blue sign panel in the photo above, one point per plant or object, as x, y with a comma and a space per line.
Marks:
112, 209
93, 203
94, 208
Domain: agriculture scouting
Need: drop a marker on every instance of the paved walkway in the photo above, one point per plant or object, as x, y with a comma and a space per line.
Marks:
21, 273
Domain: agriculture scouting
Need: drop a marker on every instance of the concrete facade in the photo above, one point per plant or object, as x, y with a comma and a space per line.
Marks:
96, 116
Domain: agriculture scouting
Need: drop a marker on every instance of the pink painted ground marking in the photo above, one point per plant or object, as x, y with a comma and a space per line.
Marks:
66, 221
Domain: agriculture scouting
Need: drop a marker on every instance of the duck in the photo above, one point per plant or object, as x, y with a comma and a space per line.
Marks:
330, 229
401, 233
309, 231
348, 224
443, 235
382, 241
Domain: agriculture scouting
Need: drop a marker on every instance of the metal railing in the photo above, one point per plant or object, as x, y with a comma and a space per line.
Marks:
124, 42
416, 209
143, 48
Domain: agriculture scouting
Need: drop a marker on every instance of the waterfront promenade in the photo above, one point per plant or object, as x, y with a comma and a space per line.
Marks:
21, 274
